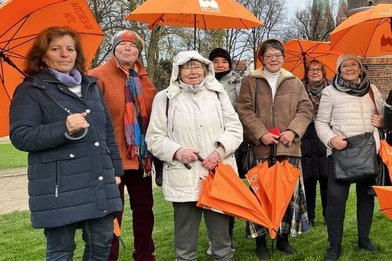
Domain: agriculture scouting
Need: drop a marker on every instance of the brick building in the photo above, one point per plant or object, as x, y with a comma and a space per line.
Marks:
379, 69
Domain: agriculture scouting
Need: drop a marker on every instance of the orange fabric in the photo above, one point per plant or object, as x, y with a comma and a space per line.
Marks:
299, 52
116, 228
366, 33
225, 192
274, 187
386, 156
384, 196
111, 79
209, 15
20, 24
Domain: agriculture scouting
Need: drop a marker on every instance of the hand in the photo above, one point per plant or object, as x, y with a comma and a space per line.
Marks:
287, 137
377, 121
269, 139
212, 160
339, 142
186, 155
118, 180
75, 122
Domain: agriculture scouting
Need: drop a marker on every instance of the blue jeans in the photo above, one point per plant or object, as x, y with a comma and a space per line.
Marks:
97, 234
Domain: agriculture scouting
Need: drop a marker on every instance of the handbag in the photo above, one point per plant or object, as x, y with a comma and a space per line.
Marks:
245, 158
358, 162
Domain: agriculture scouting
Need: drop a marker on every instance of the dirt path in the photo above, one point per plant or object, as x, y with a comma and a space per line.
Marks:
13, 190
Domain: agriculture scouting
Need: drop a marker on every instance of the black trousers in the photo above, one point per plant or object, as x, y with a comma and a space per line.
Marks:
336, 207
311, 191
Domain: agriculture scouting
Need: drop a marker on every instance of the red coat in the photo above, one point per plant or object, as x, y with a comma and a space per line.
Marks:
111, 79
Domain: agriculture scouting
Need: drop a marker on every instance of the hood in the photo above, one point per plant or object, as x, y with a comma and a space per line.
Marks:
182, 58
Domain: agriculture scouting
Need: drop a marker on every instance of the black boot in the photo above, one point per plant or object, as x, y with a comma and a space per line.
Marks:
158, 172
366, 244
283, 245
261, 248
333, 253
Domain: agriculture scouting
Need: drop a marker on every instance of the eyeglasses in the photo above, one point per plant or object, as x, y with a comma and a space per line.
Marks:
277, 56
188, 69
315, 70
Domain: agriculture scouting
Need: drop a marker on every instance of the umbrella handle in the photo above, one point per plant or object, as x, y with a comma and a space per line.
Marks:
70, 137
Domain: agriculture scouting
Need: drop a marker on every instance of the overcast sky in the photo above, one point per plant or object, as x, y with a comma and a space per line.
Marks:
293, 5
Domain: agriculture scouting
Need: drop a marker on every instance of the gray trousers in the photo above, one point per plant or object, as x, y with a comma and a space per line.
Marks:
187, 219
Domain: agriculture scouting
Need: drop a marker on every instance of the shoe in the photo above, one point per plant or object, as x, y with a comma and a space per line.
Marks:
261, 248
209, 249
282, 244
333, 253
367, 245
158, 180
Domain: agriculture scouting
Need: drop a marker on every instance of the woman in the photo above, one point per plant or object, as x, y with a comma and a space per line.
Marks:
193, 115
314, 153
347, 109
72, 181
270, 98
128, 93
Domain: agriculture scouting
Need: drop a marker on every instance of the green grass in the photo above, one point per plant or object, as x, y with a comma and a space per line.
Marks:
10, 157
21, 242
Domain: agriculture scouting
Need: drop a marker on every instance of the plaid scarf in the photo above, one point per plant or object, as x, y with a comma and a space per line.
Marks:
135, 122
355, 89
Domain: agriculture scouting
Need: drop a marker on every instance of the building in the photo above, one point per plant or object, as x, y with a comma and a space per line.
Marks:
379, 69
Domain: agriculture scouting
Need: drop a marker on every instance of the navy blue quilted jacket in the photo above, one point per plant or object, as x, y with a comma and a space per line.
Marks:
69, 181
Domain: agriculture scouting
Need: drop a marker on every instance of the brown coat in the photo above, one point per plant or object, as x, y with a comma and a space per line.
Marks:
291, 109
111, 79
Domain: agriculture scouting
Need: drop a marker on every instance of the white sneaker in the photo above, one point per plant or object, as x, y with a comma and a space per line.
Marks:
209, 249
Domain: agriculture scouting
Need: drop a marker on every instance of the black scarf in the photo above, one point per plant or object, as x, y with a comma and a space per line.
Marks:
219, 75
355, 89
314, 90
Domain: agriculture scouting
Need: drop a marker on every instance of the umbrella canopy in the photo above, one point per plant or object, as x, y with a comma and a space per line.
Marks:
384, 196
386, 156
225, 192
274, 187
203, 14
366, 33
299, 52
117, 231
21, 22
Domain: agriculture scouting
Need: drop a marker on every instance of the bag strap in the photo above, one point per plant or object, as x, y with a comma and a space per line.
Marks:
374, 102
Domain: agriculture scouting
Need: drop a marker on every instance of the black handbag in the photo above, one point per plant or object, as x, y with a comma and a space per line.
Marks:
358, 161
245, 158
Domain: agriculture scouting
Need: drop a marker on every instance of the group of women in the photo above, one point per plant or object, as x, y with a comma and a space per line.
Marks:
59, 115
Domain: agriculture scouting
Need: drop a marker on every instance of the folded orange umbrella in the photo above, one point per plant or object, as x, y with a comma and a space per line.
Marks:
384, 196
225, 192
274, 187
117, 231
386, 156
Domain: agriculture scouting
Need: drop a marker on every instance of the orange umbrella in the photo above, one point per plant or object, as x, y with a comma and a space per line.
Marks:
366, 33
203, 14
225, 192
386, 156
384, 195
117, 231
274, 187
21, 21
299, 52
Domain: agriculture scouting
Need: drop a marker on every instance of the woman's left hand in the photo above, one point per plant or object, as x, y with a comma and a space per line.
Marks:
212, 160
377, 121
118, 180
287, 137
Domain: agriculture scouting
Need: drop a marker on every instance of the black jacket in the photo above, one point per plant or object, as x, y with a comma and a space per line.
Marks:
69, 181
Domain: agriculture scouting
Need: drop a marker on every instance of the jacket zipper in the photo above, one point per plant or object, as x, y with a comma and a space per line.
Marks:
56, 190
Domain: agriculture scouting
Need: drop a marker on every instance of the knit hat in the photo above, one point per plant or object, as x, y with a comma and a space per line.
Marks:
127, 36
220, 52
345, 57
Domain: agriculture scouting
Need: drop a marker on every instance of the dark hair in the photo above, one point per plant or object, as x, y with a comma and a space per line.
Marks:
317, 62
34, 63
270, 43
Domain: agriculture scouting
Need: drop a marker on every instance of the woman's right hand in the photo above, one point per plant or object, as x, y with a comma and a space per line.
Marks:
338, 142
186, 155
269, 139
75, 122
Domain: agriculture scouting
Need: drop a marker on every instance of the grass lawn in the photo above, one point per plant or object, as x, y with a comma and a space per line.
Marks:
19, 241
10, 157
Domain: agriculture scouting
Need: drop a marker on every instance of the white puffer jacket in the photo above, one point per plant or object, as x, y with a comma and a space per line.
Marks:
341, 114
199, 117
